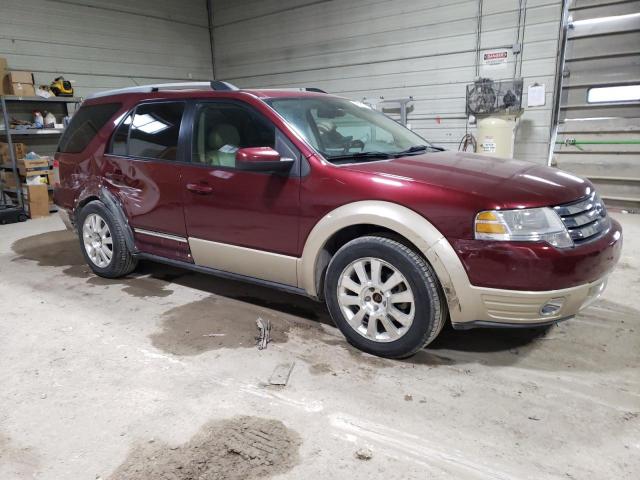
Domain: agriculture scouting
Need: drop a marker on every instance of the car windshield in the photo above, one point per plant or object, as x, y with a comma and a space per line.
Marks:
346, 131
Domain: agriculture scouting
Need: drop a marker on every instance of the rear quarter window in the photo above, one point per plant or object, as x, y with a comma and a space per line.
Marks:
84, 126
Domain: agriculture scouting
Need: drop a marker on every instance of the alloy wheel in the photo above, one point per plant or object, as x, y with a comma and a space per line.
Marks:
376, 299
97, 240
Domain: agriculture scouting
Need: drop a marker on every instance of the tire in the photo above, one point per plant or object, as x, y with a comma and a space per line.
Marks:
121, 262
399, 329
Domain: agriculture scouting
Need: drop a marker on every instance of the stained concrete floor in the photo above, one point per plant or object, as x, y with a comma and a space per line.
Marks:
156, 376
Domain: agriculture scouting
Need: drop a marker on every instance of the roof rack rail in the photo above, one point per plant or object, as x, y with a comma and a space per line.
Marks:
291, 89
213, 85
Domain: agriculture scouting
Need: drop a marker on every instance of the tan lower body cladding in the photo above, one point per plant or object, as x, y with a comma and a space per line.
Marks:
244, 261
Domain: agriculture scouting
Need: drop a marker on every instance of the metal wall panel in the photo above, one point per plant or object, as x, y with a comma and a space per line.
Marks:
392, 48
602, 140
101, 45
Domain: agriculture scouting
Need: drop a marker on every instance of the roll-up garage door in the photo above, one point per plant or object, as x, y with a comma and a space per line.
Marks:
599, 119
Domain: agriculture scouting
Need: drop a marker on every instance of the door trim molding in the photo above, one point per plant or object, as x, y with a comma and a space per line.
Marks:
269, 266
166, 236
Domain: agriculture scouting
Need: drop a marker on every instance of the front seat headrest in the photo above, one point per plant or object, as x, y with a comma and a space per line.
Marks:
223, 134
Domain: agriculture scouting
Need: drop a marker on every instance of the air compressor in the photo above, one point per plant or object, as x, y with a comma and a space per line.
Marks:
497, 107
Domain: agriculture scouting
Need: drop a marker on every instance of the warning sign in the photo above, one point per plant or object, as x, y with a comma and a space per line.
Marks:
495, 57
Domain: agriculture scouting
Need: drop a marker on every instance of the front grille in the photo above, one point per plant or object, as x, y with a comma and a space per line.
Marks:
586, 219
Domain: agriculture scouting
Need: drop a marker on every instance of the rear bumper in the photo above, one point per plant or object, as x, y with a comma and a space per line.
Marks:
491, 307
66, 218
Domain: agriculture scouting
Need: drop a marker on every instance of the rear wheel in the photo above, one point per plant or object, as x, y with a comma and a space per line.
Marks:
103, 242
384, 297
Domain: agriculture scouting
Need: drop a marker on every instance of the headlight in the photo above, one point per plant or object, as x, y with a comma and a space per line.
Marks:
524, 225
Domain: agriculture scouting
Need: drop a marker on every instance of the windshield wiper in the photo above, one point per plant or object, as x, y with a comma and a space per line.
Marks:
361, 156
418, 148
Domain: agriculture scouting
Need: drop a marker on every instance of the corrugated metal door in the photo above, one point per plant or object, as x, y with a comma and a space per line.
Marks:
599, 130
396, 48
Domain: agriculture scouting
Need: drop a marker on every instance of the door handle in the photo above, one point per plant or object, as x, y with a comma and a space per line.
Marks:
199, 188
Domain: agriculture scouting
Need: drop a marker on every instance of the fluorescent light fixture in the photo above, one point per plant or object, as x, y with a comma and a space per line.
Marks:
588, 119
148, 124
594, 21
620, 93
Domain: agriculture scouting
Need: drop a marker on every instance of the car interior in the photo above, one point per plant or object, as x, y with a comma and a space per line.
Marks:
223, 129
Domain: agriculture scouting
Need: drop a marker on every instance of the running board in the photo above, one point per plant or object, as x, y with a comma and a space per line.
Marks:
223, 274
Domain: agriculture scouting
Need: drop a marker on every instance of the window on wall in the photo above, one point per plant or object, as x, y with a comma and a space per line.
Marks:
620, 93
222, 128
154, 131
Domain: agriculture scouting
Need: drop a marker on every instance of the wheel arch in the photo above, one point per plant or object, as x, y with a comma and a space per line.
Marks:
372, 216
112, 203
345, 235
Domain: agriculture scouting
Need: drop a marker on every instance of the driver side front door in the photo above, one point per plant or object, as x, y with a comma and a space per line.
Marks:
239, 221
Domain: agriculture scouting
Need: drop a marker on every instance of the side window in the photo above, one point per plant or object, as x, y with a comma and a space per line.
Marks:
119, 142
84, 126
154, 131
220, 129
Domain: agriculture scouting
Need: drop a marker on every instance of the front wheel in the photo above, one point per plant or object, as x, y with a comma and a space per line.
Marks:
384, 297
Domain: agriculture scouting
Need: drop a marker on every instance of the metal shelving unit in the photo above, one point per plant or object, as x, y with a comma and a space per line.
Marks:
6, 102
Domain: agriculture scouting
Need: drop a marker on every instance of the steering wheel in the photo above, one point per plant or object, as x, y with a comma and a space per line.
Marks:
353, 144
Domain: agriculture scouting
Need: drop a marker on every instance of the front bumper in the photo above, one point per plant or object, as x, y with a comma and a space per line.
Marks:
491, 307
538, 266
473, 306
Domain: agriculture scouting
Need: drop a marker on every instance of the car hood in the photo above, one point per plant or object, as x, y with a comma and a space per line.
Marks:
495, 182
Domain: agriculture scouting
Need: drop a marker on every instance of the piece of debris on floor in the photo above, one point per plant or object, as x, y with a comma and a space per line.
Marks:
408, 398
213, 335
264, 337
364, 454
281, 374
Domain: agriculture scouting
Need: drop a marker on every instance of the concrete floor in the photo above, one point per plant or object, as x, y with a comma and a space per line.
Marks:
123, 379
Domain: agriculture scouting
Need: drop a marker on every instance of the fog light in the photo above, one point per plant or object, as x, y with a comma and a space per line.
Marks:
552, 307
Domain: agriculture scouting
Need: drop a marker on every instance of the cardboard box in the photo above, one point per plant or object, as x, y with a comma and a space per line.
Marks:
31, 168
20, 77
8, 179
3, 72
36, 200
22, 90
20, 150
19, 83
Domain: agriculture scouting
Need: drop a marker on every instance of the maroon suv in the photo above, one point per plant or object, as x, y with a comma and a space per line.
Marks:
325, 197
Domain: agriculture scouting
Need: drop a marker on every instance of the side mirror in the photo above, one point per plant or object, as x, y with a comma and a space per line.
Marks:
262, 159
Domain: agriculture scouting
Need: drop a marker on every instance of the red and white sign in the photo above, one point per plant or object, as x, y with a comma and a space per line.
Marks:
495, 57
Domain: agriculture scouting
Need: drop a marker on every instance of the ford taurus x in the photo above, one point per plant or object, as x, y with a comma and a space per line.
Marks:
323, 196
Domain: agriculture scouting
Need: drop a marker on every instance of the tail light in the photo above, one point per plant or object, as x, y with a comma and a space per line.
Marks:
56, 173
